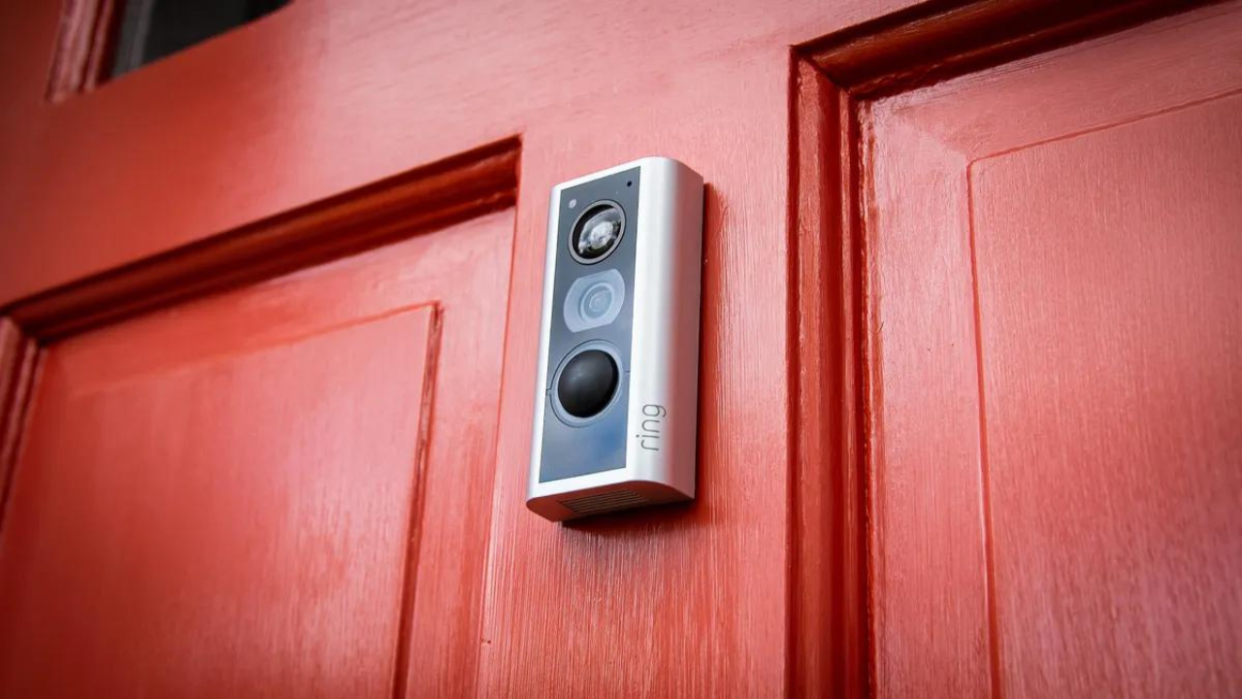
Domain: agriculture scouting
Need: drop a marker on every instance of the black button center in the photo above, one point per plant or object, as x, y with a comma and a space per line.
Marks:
587, 383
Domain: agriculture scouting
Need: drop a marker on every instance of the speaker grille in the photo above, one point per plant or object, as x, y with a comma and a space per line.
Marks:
610, 501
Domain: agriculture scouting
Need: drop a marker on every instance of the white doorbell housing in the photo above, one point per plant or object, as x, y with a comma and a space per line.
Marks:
616, 408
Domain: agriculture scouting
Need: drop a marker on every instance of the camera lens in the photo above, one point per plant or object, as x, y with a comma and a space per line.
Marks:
597, 232
587, 383
596, 302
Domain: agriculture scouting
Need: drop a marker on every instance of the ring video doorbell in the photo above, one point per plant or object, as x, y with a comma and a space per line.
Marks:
616, 408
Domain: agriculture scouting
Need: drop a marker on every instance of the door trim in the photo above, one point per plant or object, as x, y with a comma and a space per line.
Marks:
83, 44
19, 357
421, 200
426, 198
833, 79
943, 39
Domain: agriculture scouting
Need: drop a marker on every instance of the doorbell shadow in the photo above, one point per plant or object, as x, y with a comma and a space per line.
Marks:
629, 523
616, 404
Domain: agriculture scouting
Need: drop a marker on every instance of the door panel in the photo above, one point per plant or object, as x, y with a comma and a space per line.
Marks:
1111, 350
248, 495
1056, 332
159, 521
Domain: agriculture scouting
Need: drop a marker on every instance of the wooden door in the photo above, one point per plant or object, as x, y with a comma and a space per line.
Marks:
968, 395
1041, 260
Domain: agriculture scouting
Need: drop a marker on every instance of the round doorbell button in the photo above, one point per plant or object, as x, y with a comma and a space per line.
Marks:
586, 383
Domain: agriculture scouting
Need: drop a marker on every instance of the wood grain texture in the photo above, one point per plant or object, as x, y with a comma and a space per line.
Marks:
929, 585
455, 189
219, 564
1114, 399
1025, 505
319, 98
828, 628
253, 524
941, 39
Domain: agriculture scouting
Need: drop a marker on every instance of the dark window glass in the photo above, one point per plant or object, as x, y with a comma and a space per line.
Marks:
148, 30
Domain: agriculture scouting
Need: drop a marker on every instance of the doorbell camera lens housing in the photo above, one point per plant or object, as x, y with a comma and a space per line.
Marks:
597, 232
616, 407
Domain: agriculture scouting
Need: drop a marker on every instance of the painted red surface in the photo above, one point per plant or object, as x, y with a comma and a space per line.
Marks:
1019, 478
1055, 271
224, 524
222, 499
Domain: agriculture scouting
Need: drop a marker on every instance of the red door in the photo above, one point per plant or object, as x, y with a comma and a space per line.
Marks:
970, 386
